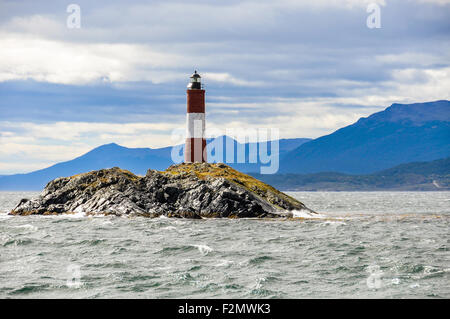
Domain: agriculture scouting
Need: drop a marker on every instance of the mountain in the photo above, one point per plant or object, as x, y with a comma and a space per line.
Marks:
437, 167
401, 133
136, 160
417, 176
105, 156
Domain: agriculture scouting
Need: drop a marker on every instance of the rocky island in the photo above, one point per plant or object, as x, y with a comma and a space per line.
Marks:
188, 190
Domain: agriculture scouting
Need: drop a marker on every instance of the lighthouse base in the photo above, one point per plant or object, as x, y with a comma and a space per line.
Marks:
195, 150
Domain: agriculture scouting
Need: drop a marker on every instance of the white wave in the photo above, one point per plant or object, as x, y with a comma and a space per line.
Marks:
224, 263
79, 214
64, 215
169, 228
204, 249
304, 213
259, 282
27, 226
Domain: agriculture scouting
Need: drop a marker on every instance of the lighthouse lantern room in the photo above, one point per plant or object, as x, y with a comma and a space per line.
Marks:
195, 148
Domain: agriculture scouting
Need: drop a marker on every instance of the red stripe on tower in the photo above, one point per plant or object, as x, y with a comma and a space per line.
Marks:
195, 150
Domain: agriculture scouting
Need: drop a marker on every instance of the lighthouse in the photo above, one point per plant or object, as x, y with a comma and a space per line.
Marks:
195, 150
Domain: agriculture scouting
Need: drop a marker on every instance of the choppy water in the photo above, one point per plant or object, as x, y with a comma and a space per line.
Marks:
374, 245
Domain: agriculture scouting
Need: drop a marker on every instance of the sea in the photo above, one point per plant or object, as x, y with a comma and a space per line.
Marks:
360, 245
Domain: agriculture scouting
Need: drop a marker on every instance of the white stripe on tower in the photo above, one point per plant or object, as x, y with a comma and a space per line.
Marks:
195, 123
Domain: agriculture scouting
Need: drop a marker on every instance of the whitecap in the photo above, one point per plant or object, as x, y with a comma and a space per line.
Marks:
224, 263
204, 249
169, 228
27, 226
259, 282
304, 213
79, 214
395, 281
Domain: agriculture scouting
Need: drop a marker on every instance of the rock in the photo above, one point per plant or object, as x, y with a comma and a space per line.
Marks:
194, 190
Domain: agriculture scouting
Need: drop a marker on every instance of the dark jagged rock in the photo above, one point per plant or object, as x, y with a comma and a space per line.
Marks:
184, 190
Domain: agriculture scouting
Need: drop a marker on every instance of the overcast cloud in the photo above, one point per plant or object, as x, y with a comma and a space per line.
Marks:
305, 67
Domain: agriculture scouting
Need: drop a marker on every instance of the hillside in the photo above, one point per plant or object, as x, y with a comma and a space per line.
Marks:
418, 176
402, 133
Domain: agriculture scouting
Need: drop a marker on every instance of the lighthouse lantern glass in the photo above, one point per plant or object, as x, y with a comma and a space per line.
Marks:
195, 82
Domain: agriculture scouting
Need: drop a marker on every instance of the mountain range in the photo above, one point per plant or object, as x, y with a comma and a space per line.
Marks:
400, 134
136, 160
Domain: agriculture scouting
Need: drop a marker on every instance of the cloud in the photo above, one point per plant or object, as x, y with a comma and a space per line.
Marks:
29, 145
440, 2
307, 67
229, 79
24, 57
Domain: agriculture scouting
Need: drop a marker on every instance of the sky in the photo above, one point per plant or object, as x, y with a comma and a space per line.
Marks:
304, 67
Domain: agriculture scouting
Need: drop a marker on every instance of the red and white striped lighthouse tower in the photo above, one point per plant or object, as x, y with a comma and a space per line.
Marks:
195, 150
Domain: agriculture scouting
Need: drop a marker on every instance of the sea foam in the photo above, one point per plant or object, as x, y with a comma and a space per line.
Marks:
204, 249
303, 213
